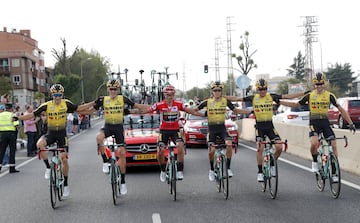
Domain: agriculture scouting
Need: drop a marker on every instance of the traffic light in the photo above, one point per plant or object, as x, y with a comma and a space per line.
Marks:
206, 68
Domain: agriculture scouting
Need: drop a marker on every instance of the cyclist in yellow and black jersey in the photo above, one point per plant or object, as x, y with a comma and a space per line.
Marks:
56, 111
216, 113
114, 111
262, 103
319, 101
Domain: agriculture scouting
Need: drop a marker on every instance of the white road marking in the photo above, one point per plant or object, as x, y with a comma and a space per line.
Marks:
156, 218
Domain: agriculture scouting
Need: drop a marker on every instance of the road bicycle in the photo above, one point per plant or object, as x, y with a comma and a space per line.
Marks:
329, 166
221, 169
270, 167
56, 180
114, 173
171, 169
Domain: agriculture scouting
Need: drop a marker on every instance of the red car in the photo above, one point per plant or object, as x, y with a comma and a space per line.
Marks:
141, 135
196, 129
351, 105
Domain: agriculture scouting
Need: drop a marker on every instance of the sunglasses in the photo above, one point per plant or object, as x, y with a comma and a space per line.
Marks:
262, 89
319, 84
57, 95
113, 89
216, 90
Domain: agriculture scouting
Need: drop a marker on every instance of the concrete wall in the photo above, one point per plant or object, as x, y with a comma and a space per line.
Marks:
299, 145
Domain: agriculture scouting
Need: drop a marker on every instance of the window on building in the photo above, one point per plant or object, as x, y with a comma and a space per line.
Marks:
16, 79
15, 62
4, 64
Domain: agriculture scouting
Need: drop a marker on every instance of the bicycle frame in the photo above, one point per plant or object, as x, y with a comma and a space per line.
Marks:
114, 174
221, 170
329, 165
171, 169
268, 160
56, 180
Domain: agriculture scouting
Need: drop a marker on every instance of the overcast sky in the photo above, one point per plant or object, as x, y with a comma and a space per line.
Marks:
154, 34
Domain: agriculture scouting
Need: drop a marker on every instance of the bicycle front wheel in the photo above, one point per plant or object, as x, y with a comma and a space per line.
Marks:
334, 177
173, 179
52, 185
320, 178
273, 178
60, 180
225, 177
113, 181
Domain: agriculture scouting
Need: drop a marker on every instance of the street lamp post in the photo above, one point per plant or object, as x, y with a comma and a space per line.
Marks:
82, 79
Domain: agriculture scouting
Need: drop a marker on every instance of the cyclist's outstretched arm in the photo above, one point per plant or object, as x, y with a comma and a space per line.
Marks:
233, 98
289, 103
295, 95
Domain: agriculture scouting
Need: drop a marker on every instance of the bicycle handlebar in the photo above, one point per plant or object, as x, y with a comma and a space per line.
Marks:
336, 138
51, 150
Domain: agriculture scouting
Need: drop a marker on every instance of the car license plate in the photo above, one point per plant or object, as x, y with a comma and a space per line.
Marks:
144, 156
305, 118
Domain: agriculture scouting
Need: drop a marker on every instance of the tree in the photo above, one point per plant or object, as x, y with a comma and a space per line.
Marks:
340, 76
297, 69
62, 65
283, 87
245, 61
5, 85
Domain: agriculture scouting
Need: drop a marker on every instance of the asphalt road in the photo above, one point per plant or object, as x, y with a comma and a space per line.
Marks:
24, 197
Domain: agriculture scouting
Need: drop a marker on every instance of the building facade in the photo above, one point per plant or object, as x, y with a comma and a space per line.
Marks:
22, 61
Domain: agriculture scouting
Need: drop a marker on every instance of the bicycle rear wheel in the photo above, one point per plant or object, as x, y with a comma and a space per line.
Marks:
334, 171
225, 177
173, 179
113, 181
52, 185
273, 180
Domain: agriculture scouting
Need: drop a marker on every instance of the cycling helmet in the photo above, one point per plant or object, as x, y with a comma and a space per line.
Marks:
57, 88
319, 78
169, 89
261, 83
217, 84
113, 83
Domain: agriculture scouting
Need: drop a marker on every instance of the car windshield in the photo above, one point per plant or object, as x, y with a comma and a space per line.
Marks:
133, 121
354, 103
301, 108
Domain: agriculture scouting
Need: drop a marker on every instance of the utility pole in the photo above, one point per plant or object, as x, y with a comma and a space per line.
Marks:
229, 54
217, 49
310, 30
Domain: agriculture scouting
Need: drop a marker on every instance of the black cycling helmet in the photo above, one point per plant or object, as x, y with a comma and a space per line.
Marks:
261, 84
57, 88
319, 78
217, 84
113, 83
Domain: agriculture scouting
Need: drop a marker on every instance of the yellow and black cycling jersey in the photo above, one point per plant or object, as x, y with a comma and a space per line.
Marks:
114, 108
56, 114
216, 110
319, 104
263, 106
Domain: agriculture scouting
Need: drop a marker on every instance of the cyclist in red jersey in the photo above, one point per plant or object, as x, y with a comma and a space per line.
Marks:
169, 110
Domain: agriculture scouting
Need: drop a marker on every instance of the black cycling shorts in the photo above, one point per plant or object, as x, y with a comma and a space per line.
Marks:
321, 125
217, 131
116, 130
166, 135
269, 131
58, 137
